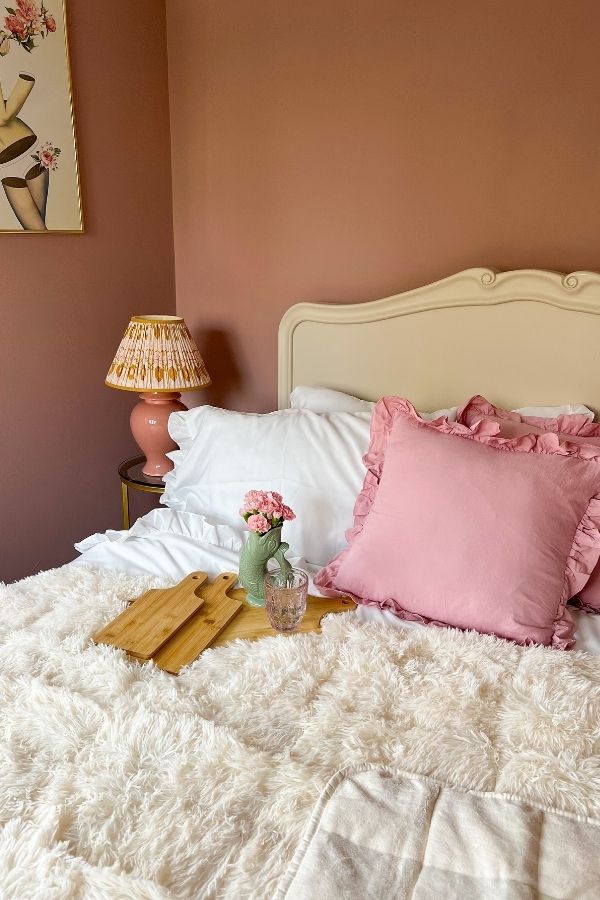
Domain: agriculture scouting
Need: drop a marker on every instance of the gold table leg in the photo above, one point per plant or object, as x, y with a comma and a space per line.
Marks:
125, 504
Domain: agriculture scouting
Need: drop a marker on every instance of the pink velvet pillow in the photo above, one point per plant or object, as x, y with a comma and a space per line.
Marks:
458, 526
574, 428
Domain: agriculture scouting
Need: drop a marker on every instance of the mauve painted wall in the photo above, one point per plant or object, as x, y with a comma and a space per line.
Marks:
349, 149
65, 300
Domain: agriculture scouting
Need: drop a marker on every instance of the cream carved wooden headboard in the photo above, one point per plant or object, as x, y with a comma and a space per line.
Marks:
527, 337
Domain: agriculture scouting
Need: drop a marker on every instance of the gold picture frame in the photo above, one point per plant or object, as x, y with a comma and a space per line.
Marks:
40, 191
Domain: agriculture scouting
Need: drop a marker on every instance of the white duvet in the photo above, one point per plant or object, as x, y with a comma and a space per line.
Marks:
170, 544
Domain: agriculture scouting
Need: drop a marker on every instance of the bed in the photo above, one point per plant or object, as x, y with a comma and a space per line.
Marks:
121, 781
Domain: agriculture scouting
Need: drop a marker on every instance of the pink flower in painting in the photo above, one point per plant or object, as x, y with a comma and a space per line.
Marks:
16, 26
28, 10
47, 156
25, 23
288, 514
46, 159
258, 523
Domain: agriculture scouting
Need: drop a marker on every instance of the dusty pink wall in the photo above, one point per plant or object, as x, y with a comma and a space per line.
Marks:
348, 149
65, 300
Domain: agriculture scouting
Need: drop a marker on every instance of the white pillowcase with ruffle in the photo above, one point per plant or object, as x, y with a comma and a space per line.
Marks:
314, 461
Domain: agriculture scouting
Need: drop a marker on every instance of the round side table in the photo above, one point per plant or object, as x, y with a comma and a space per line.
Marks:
131, 475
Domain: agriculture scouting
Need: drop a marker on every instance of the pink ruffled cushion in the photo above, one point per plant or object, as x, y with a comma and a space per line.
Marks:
460, 526
576, 429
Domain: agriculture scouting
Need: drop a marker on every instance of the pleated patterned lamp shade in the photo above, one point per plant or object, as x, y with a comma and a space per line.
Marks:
157, 358
157, 353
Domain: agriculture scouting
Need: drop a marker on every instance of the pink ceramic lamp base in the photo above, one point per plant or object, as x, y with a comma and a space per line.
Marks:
149, 427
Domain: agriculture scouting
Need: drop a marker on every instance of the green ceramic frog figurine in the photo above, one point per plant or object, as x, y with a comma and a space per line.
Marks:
256, 552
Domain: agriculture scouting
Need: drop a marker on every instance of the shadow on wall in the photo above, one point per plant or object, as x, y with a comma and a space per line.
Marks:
223, 364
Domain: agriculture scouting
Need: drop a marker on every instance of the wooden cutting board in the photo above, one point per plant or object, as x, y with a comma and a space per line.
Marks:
203, 628
175, 625
252, 624
154, 618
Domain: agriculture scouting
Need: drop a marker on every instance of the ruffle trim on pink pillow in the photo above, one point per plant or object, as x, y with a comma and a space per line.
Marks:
585, 549
382, 421
485, 431
478, 408
581, 562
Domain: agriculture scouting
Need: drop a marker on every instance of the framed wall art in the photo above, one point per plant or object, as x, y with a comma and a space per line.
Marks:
39, 175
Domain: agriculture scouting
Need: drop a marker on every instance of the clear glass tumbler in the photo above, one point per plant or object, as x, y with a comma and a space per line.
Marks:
286, 598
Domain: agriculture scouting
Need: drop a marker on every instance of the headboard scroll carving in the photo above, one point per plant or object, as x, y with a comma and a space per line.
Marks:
488, 277
523, 337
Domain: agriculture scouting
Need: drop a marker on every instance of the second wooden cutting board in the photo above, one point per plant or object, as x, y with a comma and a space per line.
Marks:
153, 618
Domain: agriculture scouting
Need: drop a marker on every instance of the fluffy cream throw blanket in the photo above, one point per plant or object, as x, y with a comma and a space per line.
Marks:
119, 781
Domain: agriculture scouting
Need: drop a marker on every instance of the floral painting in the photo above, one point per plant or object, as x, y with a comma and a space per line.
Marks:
38, 154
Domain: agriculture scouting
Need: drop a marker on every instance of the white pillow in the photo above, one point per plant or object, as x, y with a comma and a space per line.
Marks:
552, 412
325, 400
314, 461
322, 400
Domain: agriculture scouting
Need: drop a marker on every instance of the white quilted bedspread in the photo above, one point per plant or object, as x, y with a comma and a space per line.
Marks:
386, 834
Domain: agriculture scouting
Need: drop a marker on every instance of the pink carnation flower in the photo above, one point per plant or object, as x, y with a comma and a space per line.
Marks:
258, 523
265, 506
270, 504
252, 500
50, 22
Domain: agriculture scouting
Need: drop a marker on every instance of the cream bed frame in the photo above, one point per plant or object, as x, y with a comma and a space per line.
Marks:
527, 337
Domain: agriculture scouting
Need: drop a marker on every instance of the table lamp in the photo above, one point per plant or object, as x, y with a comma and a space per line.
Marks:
158, 358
